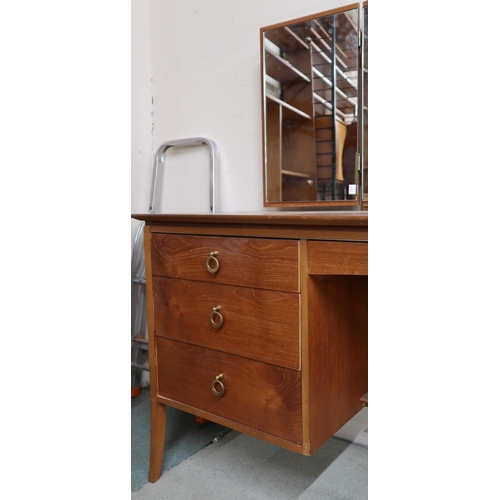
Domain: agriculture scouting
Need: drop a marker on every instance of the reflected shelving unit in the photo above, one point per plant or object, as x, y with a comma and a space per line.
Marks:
311, 125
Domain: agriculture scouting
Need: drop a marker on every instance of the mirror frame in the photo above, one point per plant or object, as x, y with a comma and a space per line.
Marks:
361, 203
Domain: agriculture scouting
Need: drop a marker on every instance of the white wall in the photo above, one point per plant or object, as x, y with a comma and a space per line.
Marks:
141, 107
205, 71
203, 59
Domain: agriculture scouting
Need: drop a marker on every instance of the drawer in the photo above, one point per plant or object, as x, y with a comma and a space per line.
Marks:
253, 262
337, 257
262, 396
259, 324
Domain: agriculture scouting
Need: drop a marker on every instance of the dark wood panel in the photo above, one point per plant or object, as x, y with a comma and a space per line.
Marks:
297, 187
286, 40
298, 146
325, 173
323, 122
324, 147
252, 262
286, 232
259, 324
263, 396
336, 257
281, 70
324, 134
302, 220
274, 140
338, 352
324, 160
234, 425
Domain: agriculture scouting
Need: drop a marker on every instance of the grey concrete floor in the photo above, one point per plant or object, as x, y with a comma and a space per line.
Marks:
242, 467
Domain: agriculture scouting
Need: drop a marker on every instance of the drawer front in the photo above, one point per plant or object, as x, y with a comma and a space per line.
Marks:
258, 324
252, 262
337, 257
262, 396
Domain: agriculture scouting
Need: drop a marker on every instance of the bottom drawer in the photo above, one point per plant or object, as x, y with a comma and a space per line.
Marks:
262, 396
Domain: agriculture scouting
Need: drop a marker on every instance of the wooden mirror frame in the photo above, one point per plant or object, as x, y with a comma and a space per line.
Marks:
272, 178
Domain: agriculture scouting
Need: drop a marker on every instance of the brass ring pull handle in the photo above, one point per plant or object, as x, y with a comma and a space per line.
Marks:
220, 392
216, 315
213, 257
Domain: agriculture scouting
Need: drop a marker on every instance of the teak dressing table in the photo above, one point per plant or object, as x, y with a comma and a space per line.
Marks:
258, 322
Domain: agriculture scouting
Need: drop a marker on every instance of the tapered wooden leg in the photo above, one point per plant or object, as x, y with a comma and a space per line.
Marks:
158, 429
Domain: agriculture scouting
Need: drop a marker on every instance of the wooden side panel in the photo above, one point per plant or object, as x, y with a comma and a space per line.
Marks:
298, 152
295, 188
304, 347
262, 396
273, 149
258, 324
254, 262
338, 352
158, 411
300, 94
298, 155
336, 257
323, 126
299, 147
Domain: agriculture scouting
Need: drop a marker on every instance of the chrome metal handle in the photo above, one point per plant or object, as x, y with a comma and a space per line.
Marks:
219, 392
216, 315
213, 258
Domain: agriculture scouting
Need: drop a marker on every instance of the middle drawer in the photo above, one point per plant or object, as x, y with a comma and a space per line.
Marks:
260, 324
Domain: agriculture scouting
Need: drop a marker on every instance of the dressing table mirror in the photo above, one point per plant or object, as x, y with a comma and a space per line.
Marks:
315, 110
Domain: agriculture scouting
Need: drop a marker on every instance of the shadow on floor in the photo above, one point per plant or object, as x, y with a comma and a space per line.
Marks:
184, 437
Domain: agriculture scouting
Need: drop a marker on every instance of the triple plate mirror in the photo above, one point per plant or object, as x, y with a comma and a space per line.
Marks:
315, 110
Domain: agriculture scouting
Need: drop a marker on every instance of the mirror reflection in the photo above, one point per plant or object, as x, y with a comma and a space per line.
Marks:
313, 127
365, 104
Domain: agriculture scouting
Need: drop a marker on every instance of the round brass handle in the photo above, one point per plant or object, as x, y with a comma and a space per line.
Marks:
213, 258
220, 392
216, 315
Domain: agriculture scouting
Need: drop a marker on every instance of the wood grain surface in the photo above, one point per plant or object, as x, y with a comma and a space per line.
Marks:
263, 396
338, 352
337, 257
259, 324
252, 262
293, 347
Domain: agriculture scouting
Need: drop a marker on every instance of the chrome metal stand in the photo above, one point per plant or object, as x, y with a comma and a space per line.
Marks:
139, 312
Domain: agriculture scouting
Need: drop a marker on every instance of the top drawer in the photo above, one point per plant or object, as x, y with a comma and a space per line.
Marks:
252, 262
337, 257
